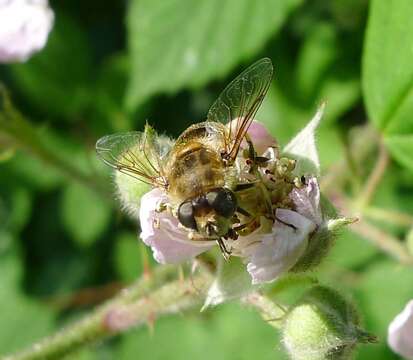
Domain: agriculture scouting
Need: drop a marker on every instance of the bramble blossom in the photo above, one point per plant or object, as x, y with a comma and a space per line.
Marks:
24, 28
267, 253
169, 242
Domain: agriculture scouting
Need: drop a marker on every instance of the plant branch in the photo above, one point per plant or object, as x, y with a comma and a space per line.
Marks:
133, 307
389, 216
374, 178
364, 141
383, 240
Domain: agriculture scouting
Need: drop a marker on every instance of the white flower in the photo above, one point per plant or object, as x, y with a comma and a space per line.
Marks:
307, 200
400, 332
24, 28
161, 232
266, 253
270, 255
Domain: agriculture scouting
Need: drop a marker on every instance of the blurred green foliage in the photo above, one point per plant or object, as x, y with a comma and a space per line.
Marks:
110, 66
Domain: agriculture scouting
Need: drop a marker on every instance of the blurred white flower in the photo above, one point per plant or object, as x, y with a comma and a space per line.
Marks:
400, 332
24, 28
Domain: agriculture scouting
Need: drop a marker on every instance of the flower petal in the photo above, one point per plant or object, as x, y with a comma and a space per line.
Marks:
307, 200
259, 135
232, 281
25, 26
303, 148
169, 243
400, 332
270, 255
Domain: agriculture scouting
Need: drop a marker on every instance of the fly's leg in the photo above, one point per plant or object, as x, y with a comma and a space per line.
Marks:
244, 186
161, 207
285, 223
251, 151
225, 252
256, 161
259, 161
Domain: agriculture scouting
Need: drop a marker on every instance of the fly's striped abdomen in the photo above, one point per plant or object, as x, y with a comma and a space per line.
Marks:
194, 170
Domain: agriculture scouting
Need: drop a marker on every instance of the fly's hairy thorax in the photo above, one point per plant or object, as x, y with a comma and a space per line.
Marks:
195, 165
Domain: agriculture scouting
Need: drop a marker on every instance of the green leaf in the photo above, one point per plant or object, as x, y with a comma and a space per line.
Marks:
85, 215
342, 254
182, 43
324, 75
21, 208
227, 332
317, 53
128, 260
109, 93
388, 74
23, 320
401, 147
382, 292
56, 79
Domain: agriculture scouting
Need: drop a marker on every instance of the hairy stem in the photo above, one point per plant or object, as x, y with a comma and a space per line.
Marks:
389, 216
380, 238
384, 241
365, 140
270, 312
133, 307
374, 178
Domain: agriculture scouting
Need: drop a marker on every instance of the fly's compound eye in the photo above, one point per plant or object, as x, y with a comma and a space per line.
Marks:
186, 215
223, 201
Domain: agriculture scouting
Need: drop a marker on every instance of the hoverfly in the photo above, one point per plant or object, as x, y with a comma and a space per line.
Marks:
202, 172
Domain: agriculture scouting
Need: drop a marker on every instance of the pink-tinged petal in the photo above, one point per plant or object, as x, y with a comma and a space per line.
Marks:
259, 135
24, 29
160, 231
400, 332
270, 255
307, 200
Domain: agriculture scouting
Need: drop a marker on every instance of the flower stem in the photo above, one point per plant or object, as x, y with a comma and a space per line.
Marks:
378, 237
384, 241
374, 178
133, 307
270, 311
338, 174
390, 216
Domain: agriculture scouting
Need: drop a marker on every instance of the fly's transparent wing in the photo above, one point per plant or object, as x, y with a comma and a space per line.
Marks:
138, 154
240, 101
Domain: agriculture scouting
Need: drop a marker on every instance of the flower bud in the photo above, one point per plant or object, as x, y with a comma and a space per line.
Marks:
321, 240
323, 325
319, 243
130, 189
130, 192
